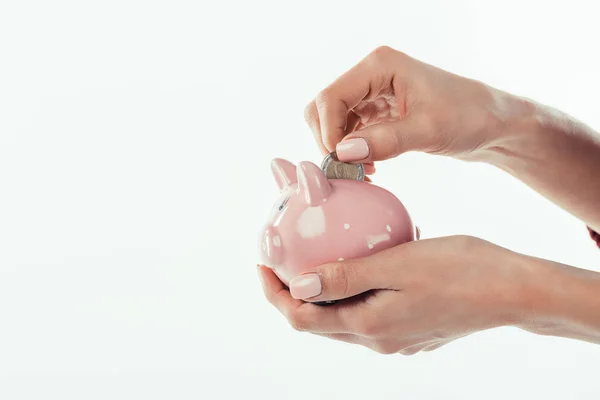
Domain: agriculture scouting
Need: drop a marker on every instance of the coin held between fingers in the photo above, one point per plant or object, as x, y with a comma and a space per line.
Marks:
336, 169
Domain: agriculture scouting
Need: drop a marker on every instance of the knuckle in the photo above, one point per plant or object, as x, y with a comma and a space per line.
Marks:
465, 243
433, 347
382, 52
310, 113
299, 321
409, 351
324, 97
339, 278
385, 348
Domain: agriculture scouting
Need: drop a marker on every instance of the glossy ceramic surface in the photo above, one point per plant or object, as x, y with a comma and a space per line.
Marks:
315, 220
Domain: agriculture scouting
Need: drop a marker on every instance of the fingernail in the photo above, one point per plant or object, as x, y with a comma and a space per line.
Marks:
354, 149
305, 286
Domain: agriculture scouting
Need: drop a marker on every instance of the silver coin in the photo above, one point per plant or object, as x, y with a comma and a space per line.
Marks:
336, 169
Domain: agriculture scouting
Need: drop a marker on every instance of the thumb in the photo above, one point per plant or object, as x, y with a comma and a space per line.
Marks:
336, 281
386, 140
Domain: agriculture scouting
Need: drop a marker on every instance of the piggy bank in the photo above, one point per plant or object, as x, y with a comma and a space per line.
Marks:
317, 220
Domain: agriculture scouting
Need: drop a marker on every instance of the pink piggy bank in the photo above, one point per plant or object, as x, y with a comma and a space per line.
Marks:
316, 221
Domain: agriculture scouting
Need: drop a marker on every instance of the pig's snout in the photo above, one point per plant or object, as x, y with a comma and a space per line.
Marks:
271, 248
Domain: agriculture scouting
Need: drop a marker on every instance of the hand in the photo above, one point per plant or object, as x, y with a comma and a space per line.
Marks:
390, 103
413, 297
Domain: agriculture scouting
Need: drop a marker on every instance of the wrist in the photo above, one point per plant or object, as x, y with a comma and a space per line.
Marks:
515, 127
527, 135
558, 300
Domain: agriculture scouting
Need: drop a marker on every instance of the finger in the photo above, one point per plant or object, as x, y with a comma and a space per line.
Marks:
342, 337
361, 341
417, 347
368, 77
369, 168
436, 345
341, 280
352, 121
301, 315
386, 140
311, 116
275, 291
409, 351
442, 343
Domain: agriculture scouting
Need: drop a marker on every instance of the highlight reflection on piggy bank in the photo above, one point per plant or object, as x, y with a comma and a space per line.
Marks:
316, 221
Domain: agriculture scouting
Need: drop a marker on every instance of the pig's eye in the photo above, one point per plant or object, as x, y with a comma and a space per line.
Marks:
284, 203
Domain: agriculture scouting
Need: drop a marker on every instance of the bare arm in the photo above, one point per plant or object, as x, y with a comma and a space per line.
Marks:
564, 301
555, 155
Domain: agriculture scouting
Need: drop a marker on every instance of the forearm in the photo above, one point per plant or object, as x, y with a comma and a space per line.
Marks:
559, 300
552, 153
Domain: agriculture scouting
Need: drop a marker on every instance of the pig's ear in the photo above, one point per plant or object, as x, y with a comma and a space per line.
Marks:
284, 172
312, 183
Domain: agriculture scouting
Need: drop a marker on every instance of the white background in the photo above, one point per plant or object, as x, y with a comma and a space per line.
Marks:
135, 141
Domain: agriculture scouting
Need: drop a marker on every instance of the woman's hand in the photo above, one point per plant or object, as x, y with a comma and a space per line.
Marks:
390, 103
417, 296
424, 294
